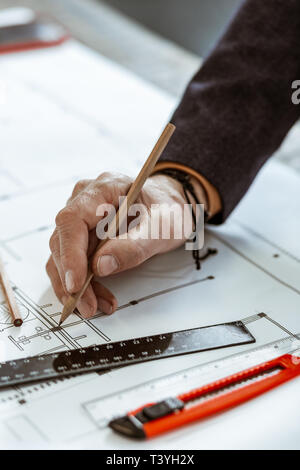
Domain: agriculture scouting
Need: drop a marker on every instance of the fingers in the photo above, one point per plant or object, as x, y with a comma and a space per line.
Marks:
119, 254
96, 296
107, 303
71, 242
56, 281
124, 253
74, 238
55, 249
78, 188
71, 239
88, 304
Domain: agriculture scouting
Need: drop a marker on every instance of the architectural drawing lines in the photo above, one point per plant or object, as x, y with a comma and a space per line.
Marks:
258, 316
165, 291
45, 319
80, 320
26, 234
60, 332
98, 125
34, 189
23, 422
281, 327
10, 251
258, 266
265, 239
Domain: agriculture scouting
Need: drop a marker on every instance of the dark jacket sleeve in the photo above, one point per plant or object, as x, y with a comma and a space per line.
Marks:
237, 109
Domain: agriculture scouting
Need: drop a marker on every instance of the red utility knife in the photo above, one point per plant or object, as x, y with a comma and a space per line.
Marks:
155, 418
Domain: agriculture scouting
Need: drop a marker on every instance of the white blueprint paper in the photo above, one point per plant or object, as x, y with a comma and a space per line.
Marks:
87, 117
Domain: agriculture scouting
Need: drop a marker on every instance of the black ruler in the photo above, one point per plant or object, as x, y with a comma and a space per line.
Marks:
122, 353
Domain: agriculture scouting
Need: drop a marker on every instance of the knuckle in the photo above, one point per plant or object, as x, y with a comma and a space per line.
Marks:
112, 185
106, 175
139, 253
109, 177
53, 243
60, 217
64, 216
48, 266
80, 185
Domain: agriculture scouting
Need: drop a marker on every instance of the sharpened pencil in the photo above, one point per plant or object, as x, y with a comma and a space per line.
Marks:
121, 215
10, 297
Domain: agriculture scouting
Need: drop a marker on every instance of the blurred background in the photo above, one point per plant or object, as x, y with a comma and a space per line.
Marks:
193, 24
161, 41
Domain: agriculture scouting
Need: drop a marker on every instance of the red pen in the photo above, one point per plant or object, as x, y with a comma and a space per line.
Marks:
153, 419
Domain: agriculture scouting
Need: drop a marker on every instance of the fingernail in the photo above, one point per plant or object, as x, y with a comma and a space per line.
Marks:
84, 308
69, 279
107, 264
105, 306
64, 299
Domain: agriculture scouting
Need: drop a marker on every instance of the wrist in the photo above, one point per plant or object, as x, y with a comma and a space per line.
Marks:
200, 193
170, 186
170, 182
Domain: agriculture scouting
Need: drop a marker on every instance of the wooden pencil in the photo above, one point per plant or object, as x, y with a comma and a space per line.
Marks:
10, 297
121, 214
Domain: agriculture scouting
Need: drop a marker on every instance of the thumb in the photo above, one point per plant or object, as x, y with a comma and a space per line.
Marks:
120, 253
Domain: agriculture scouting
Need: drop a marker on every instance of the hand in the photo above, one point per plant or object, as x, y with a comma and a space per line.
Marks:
74, 238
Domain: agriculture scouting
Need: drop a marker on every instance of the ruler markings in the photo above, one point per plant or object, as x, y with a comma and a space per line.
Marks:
103, 409
121, 353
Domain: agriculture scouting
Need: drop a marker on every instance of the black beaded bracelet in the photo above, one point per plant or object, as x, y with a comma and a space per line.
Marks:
184, 179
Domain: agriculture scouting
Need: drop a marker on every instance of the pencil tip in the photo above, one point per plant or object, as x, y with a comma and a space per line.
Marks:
68, 308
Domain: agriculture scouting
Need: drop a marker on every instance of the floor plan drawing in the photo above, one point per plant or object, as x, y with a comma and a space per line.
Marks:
249, 267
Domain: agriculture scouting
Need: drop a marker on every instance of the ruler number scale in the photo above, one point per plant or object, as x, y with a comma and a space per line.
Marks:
122, 353
106, 408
